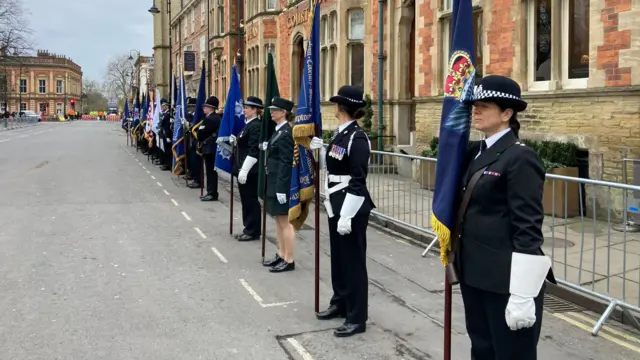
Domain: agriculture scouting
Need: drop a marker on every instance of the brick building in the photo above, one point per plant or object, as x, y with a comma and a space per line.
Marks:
144, 67
576, 60
45, 82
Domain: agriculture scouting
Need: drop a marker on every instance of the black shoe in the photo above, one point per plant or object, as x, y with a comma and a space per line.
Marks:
348, 329
165, 168
273, 262
194, 185
331, 313
245, 237
209, 197
283, 266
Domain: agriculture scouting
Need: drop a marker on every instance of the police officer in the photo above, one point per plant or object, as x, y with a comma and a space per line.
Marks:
192, 168
279, 161
498, 260
348, 206
246, 168
164, 133
207, 135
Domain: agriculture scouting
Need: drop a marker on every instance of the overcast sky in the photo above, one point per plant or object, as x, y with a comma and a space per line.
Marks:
91, 31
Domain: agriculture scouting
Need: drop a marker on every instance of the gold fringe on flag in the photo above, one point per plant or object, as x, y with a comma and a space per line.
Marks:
444, 238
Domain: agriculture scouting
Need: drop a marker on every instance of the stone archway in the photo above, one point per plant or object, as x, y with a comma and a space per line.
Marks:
297, 66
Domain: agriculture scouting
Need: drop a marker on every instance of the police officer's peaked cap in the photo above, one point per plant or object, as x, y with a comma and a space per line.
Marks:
164, 101
279, 103
350, 96
501, 90
191, 101
212, 102
254, 101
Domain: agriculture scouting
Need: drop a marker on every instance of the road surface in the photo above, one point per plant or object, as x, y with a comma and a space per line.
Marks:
104, 256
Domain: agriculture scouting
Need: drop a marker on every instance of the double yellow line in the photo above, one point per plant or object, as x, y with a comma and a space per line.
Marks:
584, 322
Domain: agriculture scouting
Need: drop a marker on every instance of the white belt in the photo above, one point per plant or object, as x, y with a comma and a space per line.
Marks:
342, 182
339, 178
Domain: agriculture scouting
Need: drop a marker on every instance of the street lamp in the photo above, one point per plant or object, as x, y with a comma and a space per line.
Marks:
137, 70
154, 10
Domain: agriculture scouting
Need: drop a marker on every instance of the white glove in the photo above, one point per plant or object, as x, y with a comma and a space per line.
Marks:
168, 140
263, 146
282, 198
246, 166
316, 143
232, 139
528, 273
350, 208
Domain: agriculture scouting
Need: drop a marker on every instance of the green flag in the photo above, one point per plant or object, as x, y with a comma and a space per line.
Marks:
267, 125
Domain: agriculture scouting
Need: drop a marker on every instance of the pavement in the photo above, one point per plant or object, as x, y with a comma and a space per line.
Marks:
107, 257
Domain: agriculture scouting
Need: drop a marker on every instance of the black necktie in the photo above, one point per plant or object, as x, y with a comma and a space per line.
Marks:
483, 146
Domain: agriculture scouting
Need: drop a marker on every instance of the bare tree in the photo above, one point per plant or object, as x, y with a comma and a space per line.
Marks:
15, 33
94, 98
119, 76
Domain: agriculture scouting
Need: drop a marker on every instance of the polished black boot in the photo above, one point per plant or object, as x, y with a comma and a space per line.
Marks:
283, 266
348, 329
331, 313
273, 262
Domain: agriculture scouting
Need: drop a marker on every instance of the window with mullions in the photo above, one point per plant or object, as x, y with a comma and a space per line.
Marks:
356, 47
478, 31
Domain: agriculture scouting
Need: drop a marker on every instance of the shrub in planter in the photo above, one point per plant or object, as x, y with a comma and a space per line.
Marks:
559, 159
427, 177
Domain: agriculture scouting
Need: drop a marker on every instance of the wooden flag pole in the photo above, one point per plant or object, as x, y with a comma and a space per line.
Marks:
316, 184
447, 317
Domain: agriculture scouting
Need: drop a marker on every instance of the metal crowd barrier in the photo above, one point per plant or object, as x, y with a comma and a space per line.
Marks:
18, 122
589, 255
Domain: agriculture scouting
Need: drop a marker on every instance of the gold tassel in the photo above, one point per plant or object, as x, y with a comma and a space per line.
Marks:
444, 238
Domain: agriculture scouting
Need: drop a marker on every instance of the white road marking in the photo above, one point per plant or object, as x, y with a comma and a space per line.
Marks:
159, 184
251, 291
174, 202
186, 216
148, 172
219, 255
259, 299
296, 345
153, 177
202, 235
166, 192
1, 141
143, 168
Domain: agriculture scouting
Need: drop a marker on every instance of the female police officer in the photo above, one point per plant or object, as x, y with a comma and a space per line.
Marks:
499, 263
348, 206
279, 161
247, 153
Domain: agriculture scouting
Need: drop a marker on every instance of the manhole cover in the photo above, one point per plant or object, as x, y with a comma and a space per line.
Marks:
557, 242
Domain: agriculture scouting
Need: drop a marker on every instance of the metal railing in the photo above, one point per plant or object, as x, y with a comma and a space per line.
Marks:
588, 255
17, 122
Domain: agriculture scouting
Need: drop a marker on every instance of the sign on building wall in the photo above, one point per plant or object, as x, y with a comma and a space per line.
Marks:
189, 61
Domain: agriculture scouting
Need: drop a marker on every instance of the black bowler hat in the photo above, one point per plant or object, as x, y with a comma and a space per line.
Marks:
164, 101
350, 96
254, 101
212, 102
279, 103
500, 90
191, 101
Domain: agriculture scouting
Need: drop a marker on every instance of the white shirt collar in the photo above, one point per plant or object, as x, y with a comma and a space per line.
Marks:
280, 125
249, 120
495, 137
344, 126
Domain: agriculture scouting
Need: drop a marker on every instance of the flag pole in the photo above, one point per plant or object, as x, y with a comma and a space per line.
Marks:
447, 317
201, 175
264, 205
316, 184
233, 156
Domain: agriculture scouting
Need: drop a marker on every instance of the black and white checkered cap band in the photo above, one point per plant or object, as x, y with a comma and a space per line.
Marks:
351, 100
251, 103
480, 93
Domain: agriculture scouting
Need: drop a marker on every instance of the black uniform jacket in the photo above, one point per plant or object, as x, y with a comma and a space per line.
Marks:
340, 160
280, 161
165, 125
208, 134
504, 214
247, 143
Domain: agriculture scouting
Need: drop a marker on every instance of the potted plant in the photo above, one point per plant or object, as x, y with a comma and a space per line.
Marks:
367, 124
559, 198
427, 178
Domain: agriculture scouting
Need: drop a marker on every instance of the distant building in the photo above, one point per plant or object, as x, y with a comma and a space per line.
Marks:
45, 82
143, 76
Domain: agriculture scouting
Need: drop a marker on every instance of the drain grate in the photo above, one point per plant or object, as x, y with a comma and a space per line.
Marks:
555, 305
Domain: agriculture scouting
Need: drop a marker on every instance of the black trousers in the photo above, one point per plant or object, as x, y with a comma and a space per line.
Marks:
251, 211
491, 338
349, 268
195, 163
212, 175
168, 153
